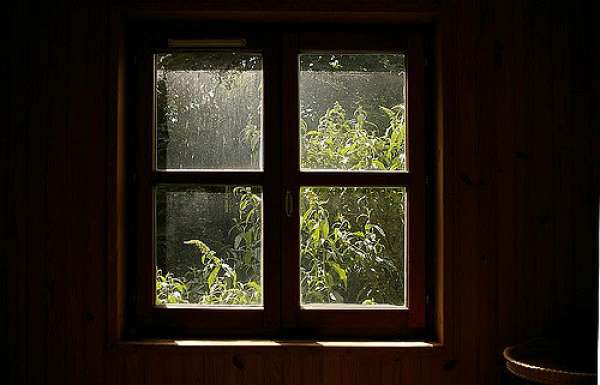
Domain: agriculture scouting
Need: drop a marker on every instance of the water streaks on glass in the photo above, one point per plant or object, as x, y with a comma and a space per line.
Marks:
209, 110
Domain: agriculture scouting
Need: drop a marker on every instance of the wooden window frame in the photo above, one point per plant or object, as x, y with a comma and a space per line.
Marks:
281, 315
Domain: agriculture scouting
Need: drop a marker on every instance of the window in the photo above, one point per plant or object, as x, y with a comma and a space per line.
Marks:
279, 183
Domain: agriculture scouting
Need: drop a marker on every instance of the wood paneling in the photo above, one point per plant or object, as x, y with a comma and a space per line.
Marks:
521, 173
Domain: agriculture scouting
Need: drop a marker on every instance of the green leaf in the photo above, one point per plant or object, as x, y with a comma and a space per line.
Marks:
213, 276
378, 164
248, 237
316, 234
390, 113
198, 244
338, 296
249, 216
337, 233
237, 241
325, 227
379, 229
341, 272
254, 285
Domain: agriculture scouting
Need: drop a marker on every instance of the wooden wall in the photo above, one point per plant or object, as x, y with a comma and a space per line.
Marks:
521, 192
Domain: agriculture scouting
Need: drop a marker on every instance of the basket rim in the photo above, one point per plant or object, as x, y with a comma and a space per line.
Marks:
507, 355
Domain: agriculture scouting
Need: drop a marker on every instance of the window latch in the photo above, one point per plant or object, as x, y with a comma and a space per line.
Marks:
289, 203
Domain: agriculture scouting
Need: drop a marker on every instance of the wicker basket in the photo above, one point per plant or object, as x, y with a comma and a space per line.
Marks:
542, 361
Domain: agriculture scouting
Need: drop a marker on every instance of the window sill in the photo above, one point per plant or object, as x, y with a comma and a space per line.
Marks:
417, 347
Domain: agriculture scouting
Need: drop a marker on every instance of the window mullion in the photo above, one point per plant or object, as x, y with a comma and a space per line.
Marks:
272, 184
355, 179
209, 177
290, 242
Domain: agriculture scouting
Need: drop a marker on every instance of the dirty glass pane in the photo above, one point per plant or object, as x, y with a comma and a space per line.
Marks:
209, 110
208, 245
352, 246
352, 112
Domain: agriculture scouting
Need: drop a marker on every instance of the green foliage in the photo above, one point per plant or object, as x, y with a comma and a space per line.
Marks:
170, 289
344, 256
352, 239
354, 144
233, 280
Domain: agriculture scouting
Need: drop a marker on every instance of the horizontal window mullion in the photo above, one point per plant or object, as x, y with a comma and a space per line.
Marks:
203, 322
352, 42
209, 177
346, 322
354, 179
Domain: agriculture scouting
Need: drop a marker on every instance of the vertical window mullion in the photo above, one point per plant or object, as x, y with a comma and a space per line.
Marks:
290, 240
272, 165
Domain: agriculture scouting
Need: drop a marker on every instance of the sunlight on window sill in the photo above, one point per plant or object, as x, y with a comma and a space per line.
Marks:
256, 343
325, 344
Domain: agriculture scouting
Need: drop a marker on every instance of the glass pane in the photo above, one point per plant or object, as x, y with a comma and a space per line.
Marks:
352, 246
208, 245
352, 114
209, 110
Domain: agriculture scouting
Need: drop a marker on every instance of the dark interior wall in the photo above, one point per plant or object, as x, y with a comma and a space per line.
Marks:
521, 193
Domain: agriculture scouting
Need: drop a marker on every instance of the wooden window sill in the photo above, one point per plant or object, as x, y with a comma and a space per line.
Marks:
419, 347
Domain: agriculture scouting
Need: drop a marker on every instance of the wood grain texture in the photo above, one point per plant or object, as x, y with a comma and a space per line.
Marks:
520, 181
